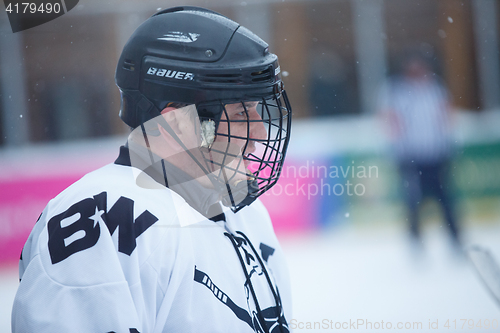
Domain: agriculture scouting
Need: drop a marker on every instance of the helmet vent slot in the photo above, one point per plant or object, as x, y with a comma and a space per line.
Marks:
265, 75
222, 78
128, 65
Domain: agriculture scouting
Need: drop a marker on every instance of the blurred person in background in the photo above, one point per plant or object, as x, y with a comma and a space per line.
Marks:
416, 106
171, 237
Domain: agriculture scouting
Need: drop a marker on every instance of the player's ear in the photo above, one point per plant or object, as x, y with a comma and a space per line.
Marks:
171, 117
183, 123
169, 114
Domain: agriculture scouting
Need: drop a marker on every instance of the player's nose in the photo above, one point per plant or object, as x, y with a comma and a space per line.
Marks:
258, 130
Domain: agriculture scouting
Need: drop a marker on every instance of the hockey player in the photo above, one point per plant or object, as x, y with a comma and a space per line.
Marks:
171, 237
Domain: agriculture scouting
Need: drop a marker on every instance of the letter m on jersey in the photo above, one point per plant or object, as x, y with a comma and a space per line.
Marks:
77, 228
121, 216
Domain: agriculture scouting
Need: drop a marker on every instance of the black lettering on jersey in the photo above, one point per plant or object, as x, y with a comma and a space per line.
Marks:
131, 330
274, 318
121, 216
78, 228
266, 251
204, 279
74, 230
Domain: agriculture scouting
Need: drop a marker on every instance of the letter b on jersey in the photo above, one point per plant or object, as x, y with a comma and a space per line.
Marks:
77, 228
74, 230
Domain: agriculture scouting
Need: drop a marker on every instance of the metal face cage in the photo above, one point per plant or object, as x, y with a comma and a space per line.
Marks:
236, 155
260, 131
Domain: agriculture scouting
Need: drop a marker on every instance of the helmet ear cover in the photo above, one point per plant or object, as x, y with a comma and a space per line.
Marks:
136, 109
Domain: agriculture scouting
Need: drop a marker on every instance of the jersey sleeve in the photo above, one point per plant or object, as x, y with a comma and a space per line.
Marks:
44, 305
72, 279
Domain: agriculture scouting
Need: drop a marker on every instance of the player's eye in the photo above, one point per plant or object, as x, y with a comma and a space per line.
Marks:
241, 115
240, 111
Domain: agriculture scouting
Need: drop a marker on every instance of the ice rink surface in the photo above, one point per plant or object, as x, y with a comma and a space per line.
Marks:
350, 277
347, 276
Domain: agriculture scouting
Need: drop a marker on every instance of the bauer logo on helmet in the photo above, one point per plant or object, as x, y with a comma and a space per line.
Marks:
170, 73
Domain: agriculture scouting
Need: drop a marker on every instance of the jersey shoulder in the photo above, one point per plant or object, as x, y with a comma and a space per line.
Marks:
102, 223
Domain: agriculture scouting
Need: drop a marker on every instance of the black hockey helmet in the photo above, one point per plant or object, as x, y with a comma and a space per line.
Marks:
190, 55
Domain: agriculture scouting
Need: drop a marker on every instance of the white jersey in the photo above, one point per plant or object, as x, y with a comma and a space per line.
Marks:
107, 255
